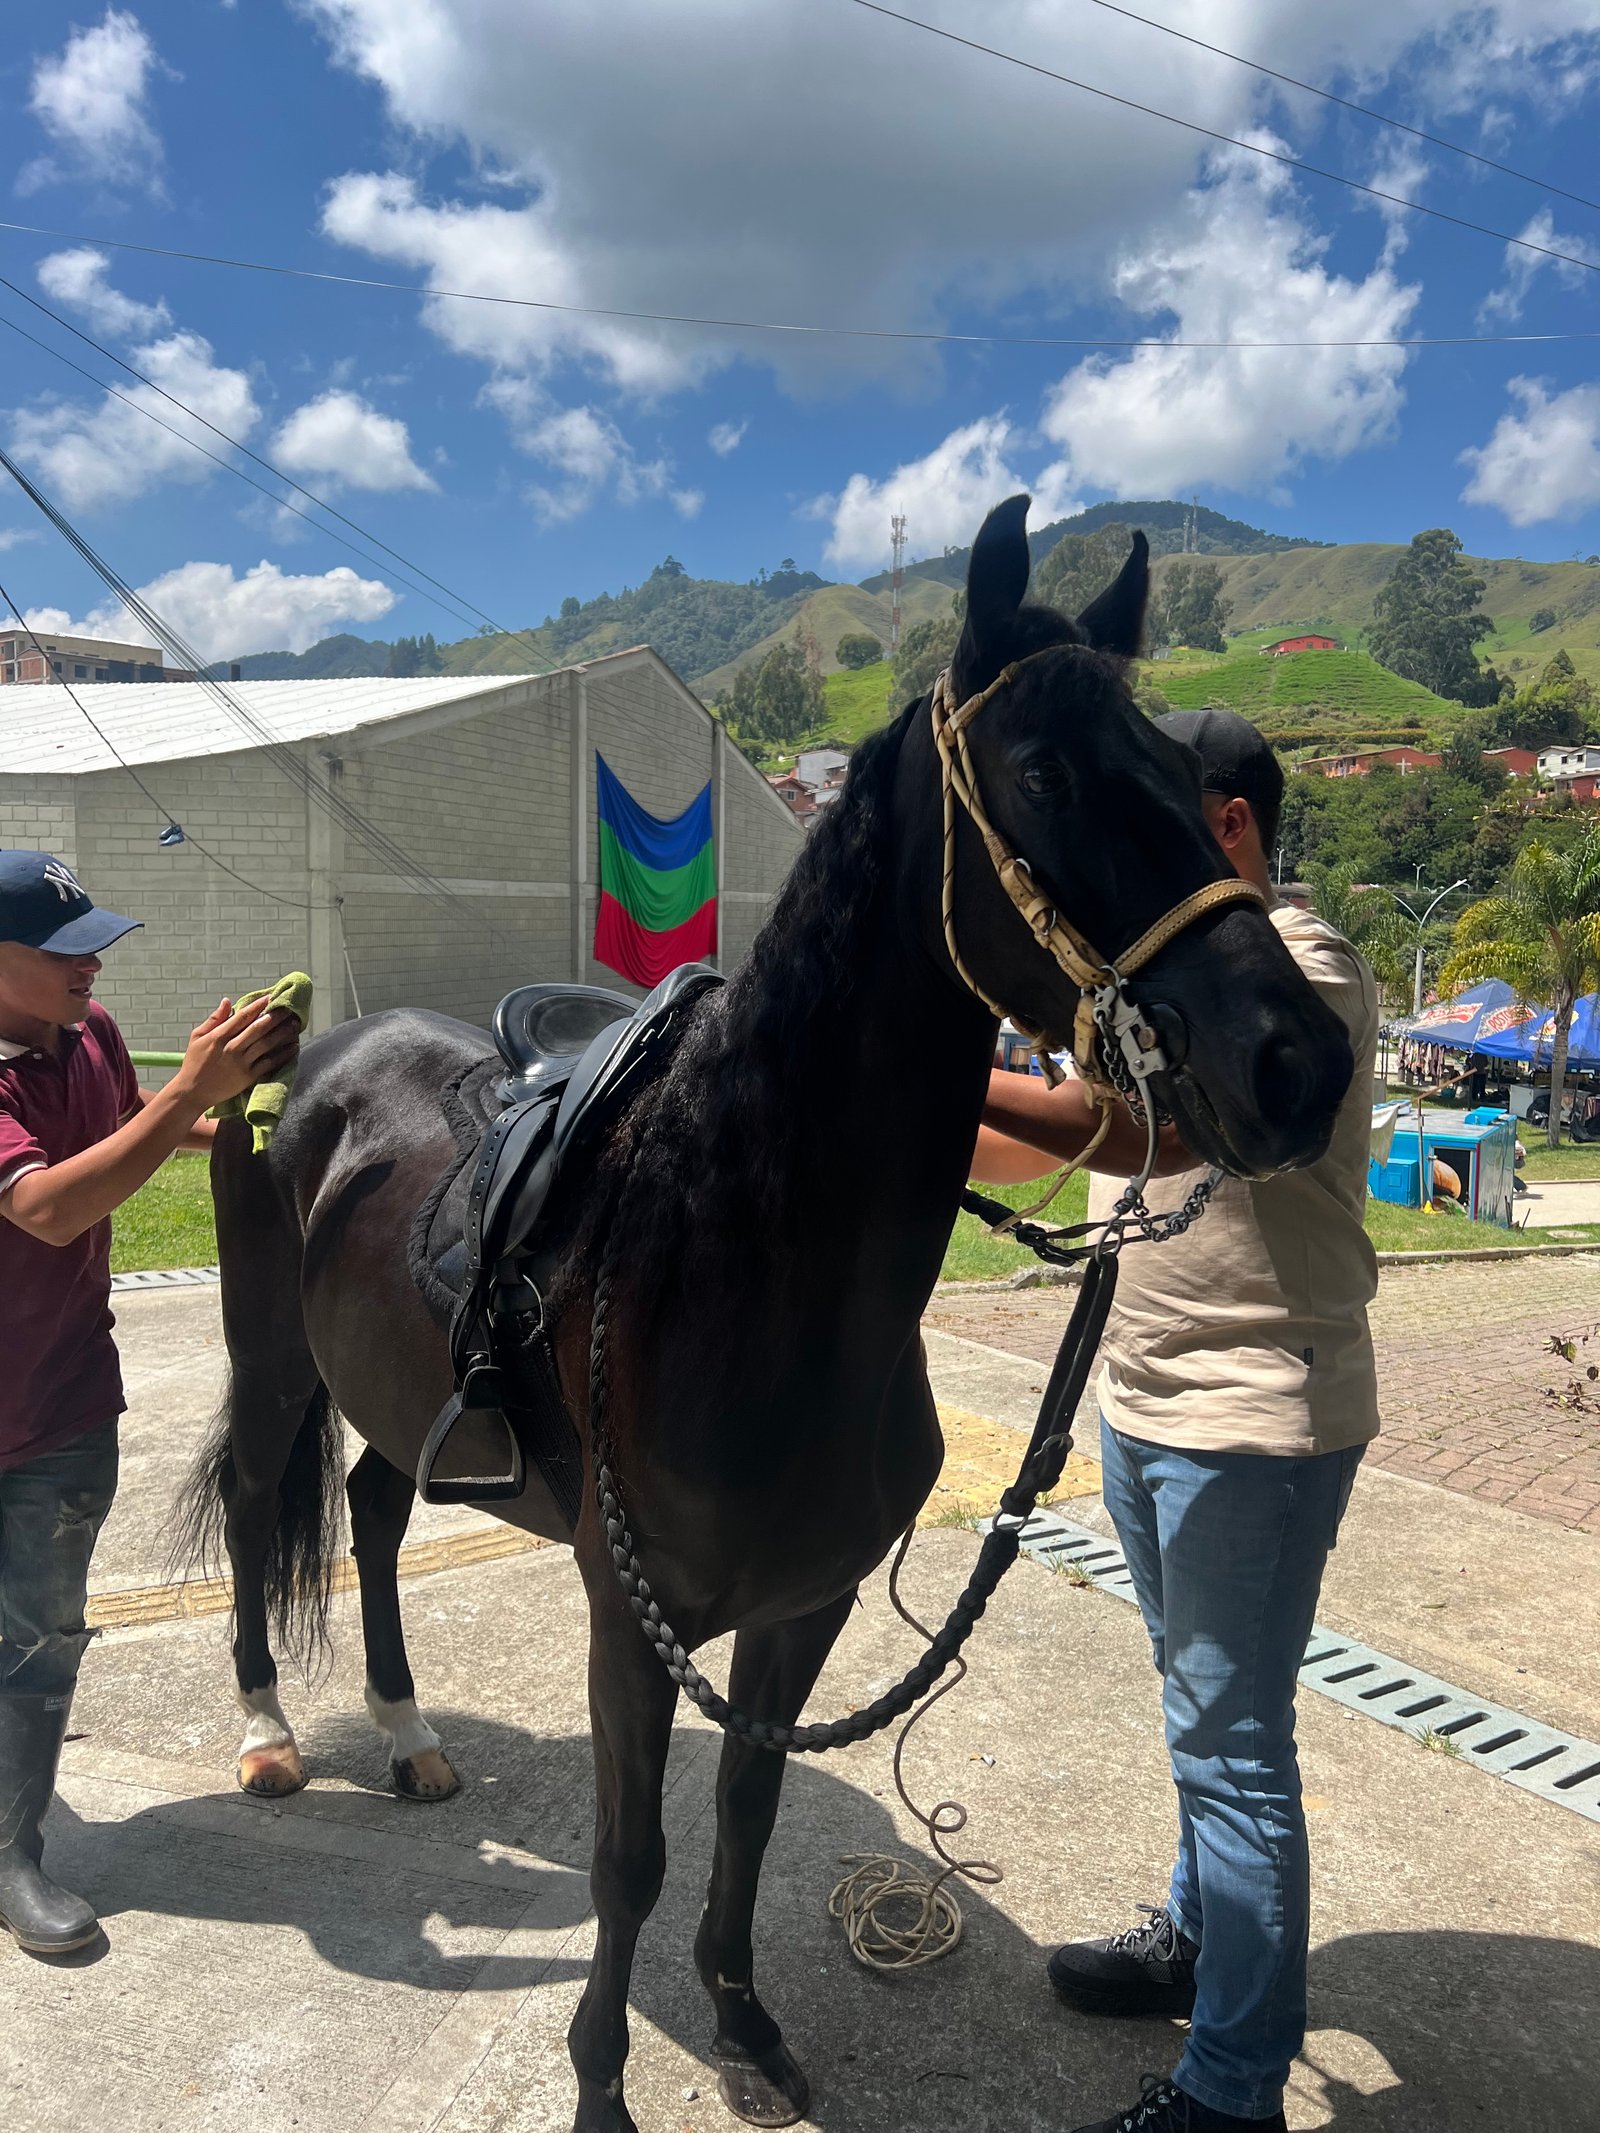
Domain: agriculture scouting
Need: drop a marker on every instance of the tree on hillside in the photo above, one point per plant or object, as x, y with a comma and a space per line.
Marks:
1540, 932
415, 655
1557, 708
1189, 607
925, 649
1079, 568
779, 700
1426, 621
858, 648
1542, 618
1463, 757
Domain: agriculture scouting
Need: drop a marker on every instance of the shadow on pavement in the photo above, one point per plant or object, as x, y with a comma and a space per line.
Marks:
1436, 2029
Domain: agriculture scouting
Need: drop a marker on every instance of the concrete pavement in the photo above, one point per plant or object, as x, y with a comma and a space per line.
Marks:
343, 1960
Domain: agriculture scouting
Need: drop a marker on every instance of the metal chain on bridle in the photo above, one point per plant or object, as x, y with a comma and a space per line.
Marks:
1116, 1052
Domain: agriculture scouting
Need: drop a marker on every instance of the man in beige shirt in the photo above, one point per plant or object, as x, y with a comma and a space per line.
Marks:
1237, 1396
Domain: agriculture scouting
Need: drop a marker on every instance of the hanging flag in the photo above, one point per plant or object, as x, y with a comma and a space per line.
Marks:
658, 884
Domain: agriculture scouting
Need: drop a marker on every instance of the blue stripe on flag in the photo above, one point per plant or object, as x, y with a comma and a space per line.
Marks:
645, 837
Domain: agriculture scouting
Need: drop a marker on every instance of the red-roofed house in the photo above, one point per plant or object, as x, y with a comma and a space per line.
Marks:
1299, 644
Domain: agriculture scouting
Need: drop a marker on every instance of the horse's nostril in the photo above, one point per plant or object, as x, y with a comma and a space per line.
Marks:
1289, 1079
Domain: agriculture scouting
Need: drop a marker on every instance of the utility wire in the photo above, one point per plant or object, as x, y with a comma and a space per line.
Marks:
228, 466
1346, 103
1230, 140
283, 757
277, 473
802, 330
25, 628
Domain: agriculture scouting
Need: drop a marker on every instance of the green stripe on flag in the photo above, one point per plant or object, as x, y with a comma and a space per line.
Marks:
657, 899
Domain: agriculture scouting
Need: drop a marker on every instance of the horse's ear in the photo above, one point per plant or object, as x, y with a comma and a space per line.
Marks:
1115, 621
997, 578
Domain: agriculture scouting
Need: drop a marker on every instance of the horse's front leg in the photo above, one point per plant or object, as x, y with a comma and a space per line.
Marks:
773, 1672
631, 1702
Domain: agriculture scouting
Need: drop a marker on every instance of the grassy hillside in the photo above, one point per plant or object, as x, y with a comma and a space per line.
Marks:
1291, 696
828, 614
1332, 590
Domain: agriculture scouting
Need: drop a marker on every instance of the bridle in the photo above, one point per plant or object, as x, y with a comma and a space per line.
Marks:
1114, 1048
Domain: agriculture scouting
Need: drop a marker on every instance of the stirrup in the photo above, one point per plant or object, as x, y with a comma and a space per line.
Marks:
482, 1392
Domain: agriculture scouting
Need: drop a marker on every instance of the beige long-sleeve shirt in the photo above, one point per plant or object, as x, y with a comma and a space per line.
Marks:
1249, 1332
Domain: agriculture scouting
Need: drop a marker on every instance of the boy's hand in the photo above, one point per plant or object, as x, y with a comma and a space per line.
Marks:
231, 1051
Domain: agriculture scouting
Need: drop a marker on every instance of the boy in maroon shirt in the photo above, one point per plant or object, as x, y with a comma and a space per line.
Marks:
77, 1137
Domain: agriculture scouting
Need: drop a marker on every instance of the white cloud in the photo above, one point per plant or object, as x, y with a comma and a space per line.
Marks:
14, 537
1238, 262
1523, 267
726, 437
224, 616
943, 496
89, 457
78, 279
848, 204
90, 99
348, 441
1544, 461
585, 451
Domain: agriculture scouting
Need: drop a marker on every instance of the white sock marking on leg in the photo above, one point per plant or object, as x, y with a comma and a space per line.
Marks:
409, 1733
267, 1727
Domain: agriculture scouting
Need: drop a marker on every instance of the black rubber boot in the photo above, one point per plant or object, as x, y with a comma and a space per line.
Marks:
1149, 1970
45, 1920
1162, 2108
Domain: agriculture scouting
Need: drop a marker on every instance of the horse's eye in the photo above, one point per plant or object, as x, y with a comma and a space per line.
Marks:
1046, 779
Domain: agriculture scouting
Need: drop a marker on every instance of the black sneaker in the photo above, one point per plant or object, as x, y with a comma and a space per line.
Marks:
1149, 1970
1164, 2109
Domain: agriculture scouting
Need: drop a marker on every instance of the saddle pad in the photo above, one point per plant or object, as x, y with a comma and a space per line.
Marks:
436, 1251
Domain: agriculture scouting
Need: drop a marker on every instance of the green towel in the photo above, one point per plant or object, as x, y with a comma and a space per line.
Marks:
264, 1105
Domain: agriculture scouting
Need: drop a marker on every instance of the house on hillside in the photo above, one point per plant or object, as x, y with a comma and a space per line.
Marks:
794, 793
1516, 762
1361, 762
1300, 644
1561, 763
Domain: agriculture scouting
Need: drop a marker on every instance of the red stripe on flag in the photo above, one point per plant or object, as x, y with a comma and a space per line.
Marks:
623, 945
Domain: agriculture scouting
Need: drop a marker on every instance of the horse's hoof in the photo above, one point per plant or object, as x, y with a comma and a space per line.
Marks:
427, 1776
769, 2091
272, 1773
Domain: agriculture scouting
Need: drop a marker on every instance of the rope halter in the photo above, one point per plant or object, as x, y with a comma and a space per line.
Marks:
1114, 1048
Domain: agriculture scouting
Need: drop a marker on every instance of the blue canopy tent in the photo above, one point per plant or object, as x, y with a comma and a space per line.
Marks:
1531, 1040
1459, 1024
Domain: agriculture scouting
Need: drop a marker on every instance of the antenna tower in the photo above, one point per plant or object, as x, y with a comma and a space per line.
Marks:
897, 532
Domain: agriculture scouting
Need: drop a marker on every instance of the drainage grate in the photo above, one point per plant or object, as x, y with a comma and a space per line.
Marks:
1556, 1766
169, 1277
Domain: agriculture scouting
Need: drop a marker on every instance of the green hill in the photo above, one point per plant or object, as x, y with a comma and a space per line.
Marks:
1300, 697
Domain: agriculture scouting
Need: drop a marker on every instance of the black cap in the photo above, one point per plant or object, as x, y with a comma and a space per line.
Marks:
42, 905
1234, 758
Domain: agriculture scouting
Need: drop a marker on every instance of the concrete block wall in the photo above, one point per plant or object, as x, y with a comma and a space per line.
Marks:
481, 798
40, 815
763, 842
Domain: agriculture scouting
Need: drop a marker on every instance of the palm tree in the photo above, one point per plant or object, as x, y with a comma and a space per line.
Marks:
1369, 921
1540, 932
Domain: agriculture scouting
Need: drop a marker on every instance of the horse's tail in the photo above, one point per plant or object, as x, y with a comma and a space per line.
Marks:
306, 1534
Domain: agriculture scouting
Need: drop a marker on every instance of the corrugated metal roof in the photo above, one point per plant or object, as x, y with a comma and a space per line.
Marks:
42, 730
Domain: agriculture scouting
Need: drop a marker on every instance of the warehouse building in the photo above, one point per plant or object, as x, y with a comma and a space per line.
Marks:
484, 785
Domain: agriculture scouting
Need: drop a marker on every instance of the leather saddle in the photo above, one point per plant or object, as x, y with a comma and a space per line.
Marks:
573, 1054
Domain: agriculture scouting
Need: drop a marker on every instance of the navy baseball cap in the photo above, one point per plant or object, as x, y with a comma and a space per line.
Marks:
1236, 759
42, 905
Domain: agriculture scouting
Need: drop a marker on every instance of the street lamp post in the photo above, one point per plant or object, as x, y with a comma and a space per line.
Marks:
1420, 921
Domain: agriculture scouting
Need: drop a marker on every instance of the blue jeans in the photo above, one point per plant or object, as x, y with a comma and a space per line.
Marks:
1226, 1551
51, 1512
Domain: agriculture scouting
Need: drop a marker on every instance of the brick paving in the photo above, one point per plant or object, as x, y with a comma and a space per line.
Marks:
1463, 1370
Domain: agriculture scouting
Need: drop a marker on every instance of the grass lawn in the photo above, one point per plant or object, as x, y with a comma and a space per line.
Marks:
1567, 1161
167, 1222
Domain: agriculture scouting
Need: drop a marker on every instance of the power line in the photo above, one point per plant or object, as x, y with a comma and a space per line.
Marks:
1230, 140
1346, 103
283, 757
277, 473
803, 330
227, 465
294, 903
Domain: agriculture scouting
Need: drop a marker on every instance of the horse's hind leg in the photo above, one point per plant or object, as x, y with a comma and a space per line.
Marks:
380, 1498
631, 1699
772, 1674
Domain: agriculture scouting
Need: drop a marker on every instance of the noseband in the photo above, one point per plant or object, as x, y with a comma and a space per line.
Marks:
1113, 1047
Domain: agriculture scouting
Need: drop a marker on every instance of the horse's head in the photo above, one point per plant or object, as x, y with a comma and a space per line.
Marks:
1105, 811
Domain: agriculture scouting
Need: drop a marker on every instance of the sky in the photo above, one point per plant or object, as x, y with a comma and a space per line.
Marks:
804, 163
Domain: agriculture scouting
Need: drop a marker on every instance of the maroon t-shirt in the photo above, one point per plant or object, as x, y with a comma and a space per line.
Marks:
59, 1374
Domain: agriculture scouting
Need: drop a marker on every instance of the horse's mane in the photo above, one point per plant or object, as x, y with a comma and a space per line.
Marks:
716, 1152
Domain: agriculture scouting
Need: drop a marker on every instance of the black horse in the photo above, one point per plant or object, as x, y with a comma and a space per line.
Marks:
795, 1175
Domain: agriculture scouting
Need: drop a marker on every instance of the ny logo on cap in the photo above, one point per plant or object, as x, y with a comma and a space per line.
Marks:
63, 881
